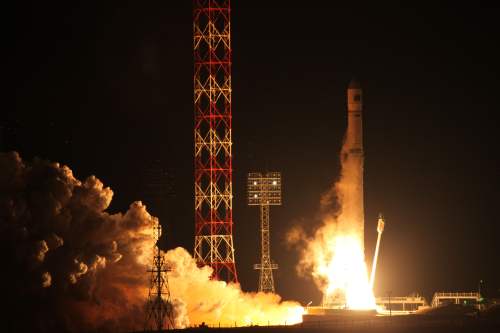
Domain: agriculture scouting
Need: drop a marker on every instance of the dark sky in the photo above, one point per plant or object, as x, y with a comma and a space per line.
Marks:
106, 88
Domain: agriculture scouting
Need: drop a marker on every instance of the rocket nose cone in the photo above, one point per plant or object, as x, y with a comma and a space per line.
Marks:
354, 84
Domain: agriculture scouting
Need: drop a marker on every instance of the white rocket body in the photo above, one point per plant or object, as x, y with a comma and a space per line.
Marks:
352, 156
354, 138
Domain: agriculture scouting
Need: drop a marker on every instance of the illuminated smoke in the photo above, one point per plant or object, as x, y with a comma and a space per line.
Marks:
215, 302
72, 265
334, 255
69, 265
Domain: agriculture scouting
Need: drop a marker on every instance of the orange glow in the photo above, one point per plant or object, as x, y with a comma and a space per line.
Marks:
202, 299
347, 283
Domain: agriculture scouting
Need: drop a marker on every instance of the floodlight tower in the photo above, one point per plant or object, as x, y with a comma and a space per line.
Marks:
264, 190
212, 138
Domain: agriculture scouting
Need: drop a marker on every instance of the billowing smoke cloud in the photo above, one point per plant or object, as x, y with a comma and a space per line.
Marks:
334, 254
215, 302
68, 265
71, 265
338, 210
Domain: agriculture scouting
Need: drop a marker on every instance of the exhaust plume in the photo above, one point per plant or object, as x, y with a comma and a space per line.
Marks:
334, 255
72, 266
216, 302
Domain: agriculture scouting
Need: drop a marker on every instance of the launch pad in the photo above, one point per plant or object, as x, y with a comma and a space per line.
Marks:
323, 315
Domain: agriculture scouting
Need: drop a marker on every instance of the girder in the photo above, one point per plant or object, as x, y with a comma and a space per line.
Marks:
213, 138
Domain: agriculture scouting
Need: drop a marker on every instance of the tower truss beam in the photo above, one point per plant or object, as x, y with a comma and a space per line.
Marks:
213, 138
159, 314
266, 266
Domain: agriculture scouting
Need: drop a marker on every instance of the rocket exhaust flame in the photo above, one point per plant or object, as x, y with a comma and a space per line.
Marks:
347, 276
335, 254
79, 268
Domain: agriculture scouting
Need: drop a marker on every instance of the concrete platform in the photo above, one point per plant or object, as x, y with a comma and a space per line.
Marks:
318, 315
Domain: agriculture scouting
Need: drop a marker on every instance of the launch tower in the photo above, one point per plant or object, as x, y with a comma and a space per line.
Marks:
264, 191
212, 137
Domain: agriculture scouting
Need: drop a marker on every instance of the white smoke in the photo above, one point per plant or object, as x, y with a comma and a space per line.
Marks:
334, 254
216, 302
72, 266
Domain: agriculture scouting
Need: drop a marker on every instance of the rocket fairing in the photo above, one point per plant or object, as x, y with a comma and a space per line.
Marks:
353, 156
354, 136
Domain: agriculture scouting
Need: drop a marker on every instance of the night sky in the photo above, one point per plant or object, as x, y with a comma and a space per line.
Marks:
106, 88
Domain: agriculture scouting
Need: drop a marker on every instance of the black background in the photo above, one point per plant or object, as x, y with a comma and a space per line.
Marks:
106, 87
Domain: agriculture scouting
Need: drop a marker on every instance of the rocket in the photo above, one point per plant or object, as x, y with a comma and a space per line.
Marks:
353, 156
354, 136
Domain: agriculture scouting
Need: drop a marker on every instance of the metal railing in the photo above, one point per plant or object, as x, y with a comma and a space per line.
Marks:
458, 294
439, 297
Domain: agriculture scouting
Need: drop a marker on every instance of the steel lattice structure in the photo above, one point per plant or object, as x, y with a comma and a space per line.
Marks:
159, 313
264, 191
212, 136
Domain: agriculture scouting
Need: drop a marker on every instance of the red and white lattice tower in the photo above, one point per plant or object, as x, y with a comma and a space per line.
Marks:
212, 136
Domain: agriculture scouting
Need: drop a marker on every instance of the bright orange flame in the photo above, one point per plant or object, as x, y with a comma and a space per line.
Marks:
347, 283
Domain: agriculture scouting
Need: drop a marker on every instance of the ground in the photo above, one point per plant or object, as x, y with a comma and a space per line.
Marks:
489, 322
